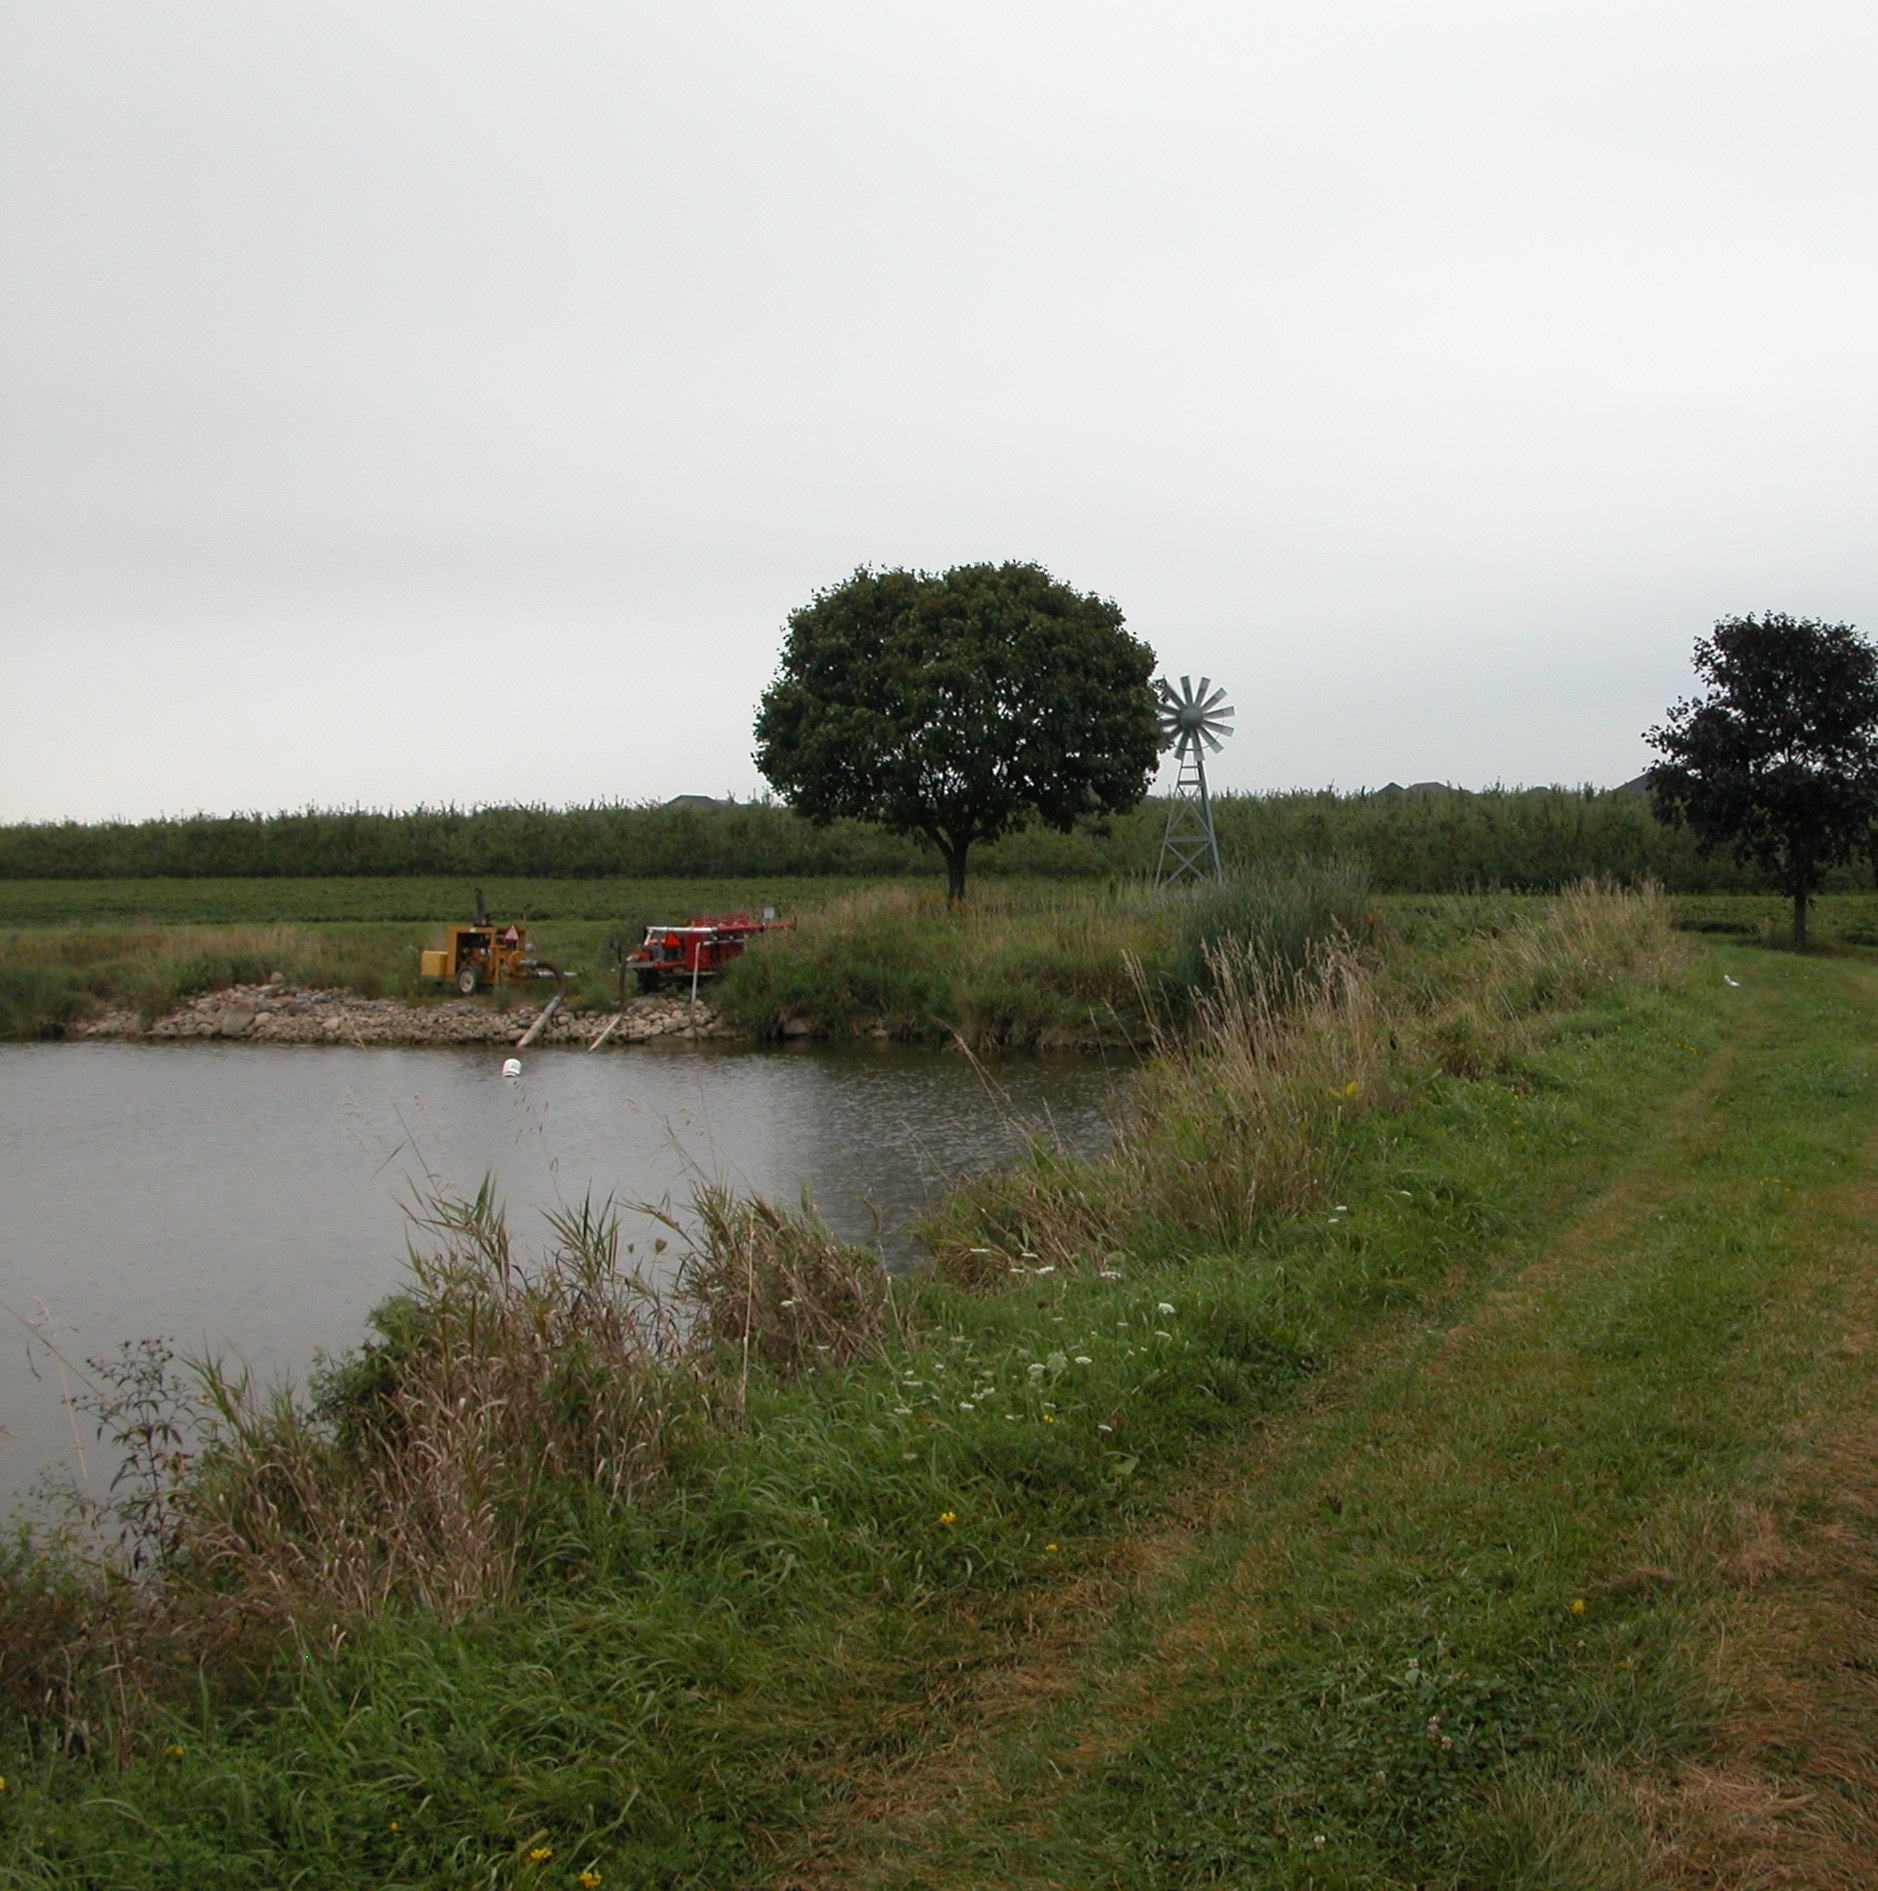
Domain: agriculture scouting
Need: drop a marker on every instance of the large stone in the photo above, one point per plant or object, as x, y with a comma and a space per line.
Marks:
237, 1021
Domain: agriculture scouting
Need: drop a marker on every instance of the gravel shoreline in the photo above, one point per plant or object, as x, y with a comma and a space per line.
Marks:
288, 1014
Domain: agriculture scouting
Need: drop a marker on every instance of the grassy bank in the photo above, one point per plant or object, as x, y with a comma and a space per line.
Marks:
69, 948
1029, 963
547, 1584
1026, 963
1567, 1580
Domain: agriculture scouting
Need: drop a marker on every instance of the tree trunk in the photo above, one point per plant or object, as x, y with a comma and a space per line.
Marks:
1799, 922
955, 868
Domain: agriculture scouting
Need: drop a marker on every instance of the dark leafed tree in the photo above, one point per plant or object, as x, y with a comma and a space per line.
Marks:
958, 707
1779, 759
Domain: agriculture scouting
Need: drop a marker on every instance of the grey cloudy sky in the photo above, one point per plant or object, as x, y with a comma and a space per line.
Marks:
447, 402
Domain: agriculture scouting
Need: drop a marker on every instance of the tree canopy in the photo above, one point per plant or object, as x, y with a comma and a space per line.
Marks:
1779, 759
958, 707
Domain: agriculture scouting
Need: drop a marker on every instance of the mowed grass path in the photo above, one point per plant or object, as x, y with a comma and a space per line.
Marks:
1571, 1581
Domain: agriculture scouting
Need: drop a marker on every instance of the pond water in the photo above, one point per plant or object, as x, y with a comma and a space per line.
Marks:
252, 1199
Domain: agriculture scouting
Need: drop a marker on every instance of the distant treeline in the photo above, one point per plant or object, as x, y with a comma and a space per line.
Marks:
1421, 840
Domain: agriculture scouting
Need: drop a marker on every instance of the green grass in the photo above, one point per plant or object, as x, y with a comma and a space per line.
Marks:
1466, 1620
407, 901
838, 1573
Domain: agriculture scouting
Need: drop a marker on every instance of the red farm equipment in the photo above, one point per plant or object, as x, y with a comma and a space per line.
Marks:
699, 949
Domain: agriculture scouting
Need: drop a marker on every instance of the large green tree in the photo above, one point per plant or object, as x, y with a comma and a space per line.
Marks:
1779, 758
959, 706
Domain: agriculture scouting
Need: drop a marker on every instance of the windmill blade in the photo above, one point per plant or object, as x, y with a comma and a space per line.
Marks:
1206, 683
1186, 690
1212, 741
1218, 696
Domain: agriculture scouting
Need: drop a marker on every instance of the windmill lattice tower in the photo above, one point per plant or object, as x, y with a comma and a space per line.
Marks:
1195, 722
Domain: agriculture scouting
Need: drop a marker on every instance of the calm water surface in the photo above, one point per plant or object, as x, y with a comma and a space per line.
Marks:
251, 1198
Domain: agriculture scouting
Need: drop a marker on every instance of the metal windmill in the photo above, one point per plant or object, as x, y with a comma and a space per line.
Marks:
1194, 722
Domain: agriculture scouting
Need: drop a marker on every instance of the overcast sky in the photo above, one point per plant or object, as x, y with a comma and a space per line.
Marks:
448, 402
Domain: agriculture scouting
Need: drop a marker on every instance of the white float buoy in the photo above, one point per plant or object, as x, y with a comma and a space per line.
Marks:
511, 1066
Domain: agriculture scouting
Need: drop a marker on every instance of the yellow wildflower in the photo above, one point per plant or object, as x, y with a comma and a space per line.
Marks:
948, 1516
1050, 1548
589, 1880
392, 1827
541, 1854
173, 1753
1578, 1607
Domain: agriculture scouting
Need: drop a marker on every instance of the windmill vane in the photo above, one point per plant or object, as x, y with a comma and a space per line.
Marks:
1191, 721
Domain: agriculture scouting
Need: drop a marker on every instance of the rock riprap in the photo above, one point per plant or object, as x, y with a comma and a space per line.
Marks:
286, 1014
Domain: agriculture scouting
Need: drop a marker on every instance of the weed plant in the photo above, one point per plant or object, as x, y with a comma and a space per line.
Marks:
552, 1566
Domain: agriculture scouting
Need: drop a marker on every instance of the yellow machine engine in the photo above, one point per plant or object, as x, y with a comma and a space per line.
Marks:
486, 954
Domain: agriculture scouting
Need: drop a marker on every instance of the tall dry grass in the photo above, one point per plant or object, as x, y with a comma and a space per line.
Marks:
1240, 1119
773, 1287
431, 1463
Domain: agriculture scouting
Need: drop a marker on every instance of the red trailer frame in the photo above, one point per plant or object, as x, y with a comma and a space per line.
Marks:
699, 949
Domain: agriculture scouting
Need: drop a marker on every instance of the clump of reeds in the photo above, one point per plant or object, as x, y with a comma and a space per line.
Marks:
776, 1288
430, 1462
440, 1463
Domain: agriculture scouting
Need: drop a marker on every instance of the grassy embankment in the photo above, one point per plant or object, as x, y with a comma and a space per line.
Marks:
68, 948
1028, 962
1217, 1512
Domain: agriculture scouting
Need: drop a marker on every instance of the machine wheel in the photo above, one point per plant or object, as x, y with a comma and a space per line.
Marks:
466, 980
